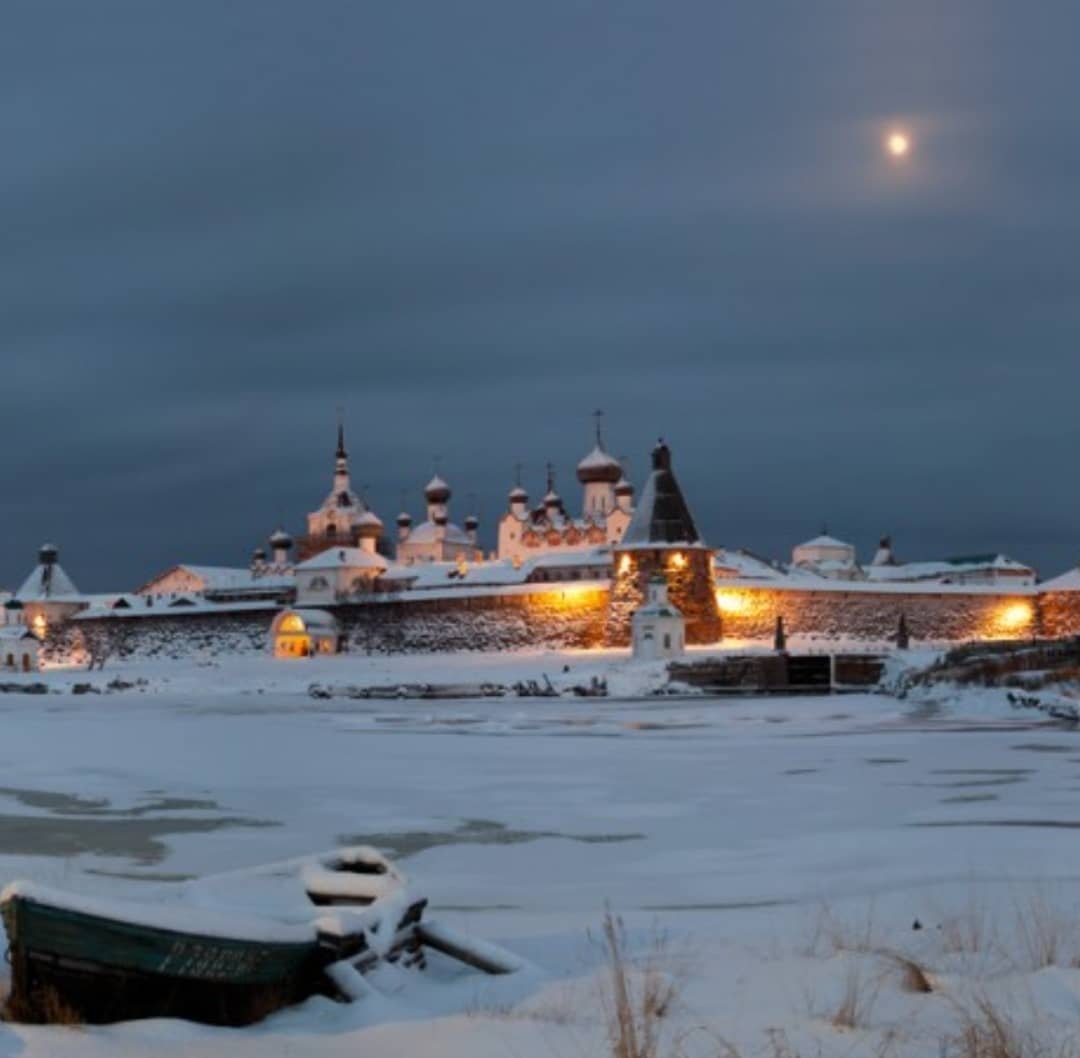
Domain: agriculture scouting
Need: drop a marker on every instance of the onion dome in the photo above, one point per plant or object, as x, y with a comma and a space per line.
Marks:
48, 554
369, 524
623, 487
13, 604
258, 555
279, 539
404, 519
599, 465
518, 495
552, 499
472, 522
437, 491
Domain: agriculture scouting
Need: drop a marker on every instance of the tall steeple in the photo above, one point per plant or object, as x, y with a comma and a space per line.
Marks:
341, 459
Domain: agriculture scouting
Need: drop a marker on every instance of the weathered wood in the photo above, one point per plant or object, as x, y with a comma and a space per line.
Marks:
480, 955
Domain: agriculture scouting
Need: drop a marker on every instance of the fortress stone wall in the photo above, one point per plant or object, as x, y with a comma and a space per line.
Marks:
751, 613
558, 617
580, 615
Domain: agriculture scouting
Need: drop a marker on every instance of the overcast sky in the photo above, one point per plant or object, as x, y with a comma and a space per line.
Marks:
471, 223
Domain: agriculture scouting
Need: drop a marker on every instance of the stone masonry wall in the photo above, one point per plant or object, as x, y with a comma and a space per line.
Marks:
689, 579
579, 616
1060, 614
750, 613
563, 617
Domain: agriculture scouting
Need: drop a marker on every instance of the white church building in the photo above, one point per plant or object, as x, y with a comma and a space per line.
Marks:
606, 509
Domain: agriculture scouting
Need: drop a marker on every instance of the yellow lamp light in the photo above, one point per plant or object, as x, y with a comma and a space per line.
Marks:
1015, 616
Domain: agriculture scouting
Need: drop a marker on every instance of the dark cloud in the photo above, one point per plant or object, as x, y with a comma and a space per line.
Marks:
472, 223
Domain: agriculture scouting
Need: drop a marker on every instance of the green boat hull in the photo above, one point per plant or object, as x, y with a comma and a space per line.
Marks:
104, 969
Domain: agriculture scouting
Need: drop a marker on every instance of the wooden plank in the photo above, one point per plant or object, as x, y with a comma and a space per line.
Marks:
480, 955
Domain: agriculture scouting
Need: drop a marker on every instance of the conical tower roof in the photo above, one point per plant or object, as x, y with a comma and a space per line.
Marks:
662, 516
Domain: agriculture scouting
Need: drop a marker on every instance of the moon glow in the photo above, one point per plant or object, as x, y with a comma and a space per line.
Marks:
898, 144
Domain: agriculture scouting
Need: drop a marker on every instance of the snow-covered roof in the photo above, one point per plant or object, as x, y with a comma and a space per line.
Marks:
49, 580
9, 632
1068, 581
314, 620
226, 578
344, 558
824, 540
429, 533
183, 606
740, 563
944, 569
588, 556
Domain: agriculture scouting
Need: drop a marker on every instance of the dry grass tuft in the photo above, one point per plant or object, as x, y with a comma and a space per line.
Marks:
858, 999
987, 1032
637, 998
914, 977
1046, 931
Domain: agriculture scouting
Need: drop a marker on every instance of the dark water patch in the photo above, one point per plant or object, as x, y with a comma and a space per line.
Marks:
800, 771
982, 771
663, 725
476, 907
139, 840
402, 844
143, 876
967, 799
1043, 747
886, 760
1032, 824
74, 805
732, 905
967, 784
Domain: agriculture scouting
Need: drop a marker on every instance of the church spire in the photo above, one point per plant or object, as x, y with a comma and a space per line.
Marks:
341, 453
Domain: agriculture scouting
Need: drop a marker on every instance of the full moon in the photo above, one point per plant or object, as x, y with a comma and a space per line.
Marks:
898, 144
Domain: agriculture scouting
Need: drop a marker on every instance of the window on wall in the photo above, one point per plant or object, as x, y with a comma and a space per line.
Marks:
319, 584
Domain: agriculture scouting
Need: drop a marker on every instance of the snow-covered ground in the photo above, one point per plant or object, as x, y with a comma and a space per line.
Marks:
781, 844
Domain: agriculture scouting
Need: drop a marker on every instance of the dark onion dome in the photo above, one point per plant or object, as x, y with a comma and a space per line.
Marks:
48, 554
599, 465
472, 522
552, 499
437, 491
259, 554
369, 524
441, 519
404, 518
280, 539
623, 487
518, 495
13, 604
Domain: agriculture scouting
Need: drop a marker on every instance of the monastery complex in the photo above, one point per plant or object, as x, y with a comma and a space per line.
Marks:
561, 575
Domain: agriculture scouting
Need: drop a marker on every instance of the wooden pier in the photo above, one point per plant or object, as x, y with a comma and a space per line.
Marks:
781, 673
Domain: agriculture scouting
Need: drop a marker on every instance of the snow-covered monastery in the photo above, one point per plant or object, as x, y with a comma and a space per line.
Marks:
606, 509
556, 578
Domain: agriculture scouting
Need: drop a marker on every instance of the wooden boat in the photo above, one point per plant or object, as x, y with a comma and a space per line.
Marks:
95, 960
206, 958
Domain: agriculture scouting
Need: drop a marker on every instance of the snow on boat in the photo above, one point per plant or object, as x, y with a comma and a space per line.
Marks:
319, 923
